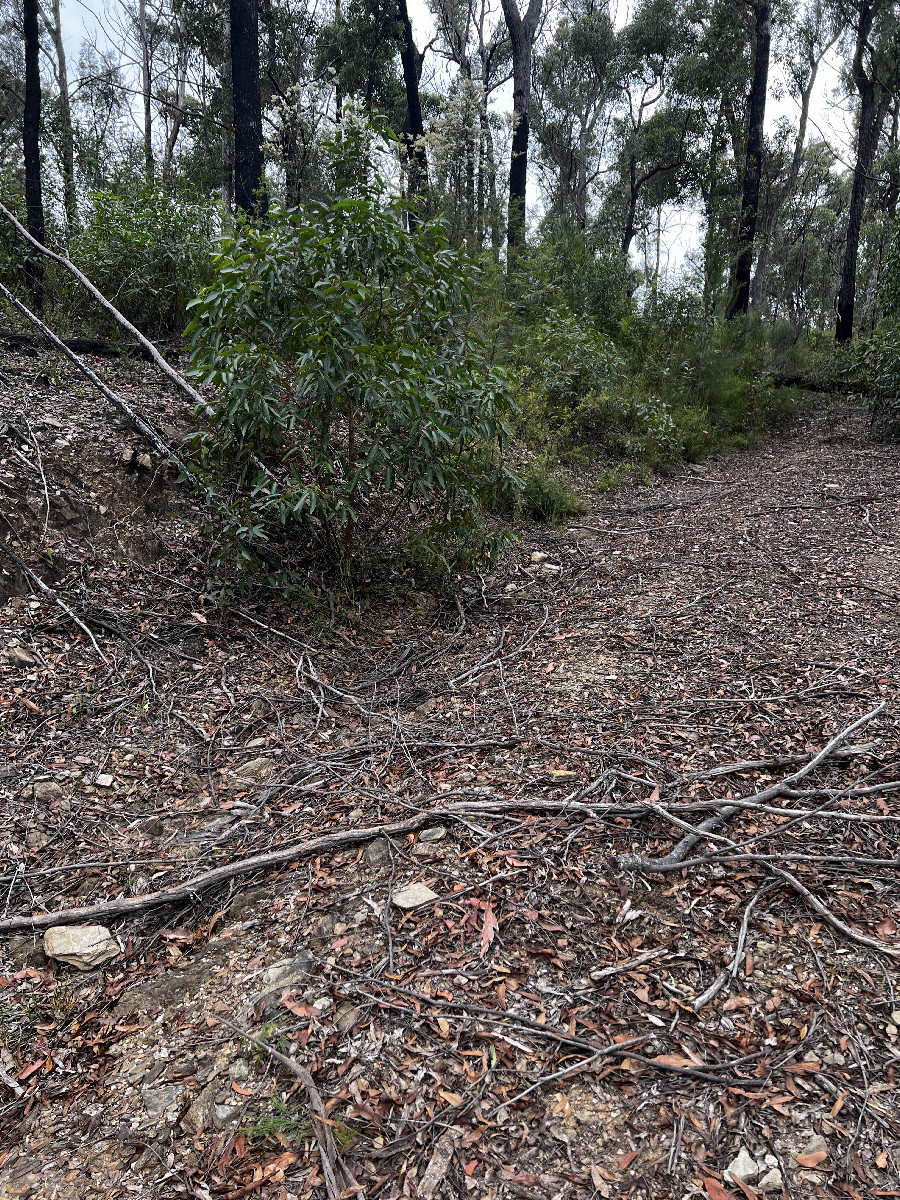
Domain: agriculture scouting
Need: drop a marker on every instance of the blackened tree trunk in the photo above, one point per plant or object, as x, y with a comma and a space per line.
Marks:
743, 267
31, 148
522, 34
249, 179
872, 109
413, 131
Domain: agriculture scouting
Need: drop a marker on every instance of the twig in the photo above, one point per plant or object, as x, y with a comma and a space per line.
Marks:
339, 1180
731, 972
677, 856
816, 904
48, 591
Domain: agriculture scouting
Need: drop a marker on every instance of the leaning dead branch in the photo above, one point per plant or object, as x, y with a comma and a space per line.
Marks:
339, 1180
144, 342
52, 595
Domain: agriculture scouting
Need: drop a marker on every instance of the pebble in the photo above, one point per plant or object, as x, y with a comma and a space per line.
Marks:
742, 1167
414, 896
771, 1181
435, 834
104, 781
539, 556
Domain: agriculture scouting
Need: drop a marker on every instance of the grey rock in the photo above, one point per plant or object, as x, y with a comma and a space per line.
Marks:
157, 1100
414, 896
224, 1115
284, 974
347, 1015
256, 768
377, 852
45, 791
20, 656
104, 781
815, 1145
771, 1181
82, 946
742, 1167
435, 834
239, 1070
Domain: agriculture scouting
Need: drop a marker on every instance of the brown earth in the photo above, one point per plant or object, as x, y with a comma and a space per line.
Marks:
748, 613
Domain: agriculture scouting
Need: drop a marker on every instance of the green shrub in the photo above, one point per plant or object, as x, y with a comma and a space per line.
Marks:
150, 253
337, 343
547, 498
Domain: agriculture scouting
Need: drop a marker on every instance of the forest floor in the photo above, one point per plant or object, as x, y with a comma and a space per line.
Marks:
539, 1022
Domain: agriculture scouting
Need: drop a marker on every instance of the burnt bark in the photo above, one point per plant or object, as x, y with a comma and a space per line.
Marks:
743, 267
31, 148
413, 131
873, 103
522, 34
249, 179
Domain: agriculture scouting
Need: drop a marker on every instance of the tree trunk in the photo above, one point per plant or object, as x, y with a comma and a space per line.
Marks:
53, 25
249, 179
413, 131
522, 34
740, 283
146, 88
31, 148
871, 116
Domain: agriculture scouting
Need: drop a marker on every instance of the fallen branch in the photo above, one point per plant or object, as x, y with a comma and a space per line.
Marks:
167, 369
339, 1180
54, 596
146, 430
143, 427
676, 857
82, 345
731, 971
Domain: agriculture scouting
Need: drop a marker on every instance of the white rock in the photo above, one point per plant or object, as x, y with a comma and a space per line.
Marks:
539, 556
771, 1181
742, 1167
552, 569
104, 781
414, 896
435, 834
82, 946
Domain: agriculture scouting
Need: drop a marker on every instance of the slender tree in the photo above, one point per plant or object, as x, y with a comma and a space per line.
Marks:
249, 177
874, 99
522, 34
413, 131
753, 160
53, 24
31, 148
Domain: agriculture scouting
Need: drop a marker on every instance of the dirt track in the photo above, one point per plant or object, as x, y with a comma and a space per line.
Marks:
755, 617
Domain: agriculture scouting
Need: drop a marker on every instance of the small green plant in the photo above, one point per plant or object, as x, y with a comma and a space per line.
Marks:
279, 1122
547, 498
338, 344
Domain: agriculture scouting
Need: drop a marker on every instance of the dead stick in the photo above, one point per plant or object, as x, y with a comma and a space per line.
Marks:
339, 1180
816, 905
146, 430
48, 591
687, 843
160, 361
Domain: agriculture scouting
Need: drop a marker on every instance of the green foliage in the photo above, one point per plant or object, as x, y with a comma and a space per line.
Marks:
876, 364
339, 348
148, 252
548, 498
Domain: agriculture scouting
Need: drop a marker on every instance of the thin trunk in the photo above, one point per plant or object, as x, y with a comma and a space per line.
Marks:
146, 88
249, 179
871, 116
634, 191
31, 136
53, 25
413, 131
522, 34
872, 111
740, 283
